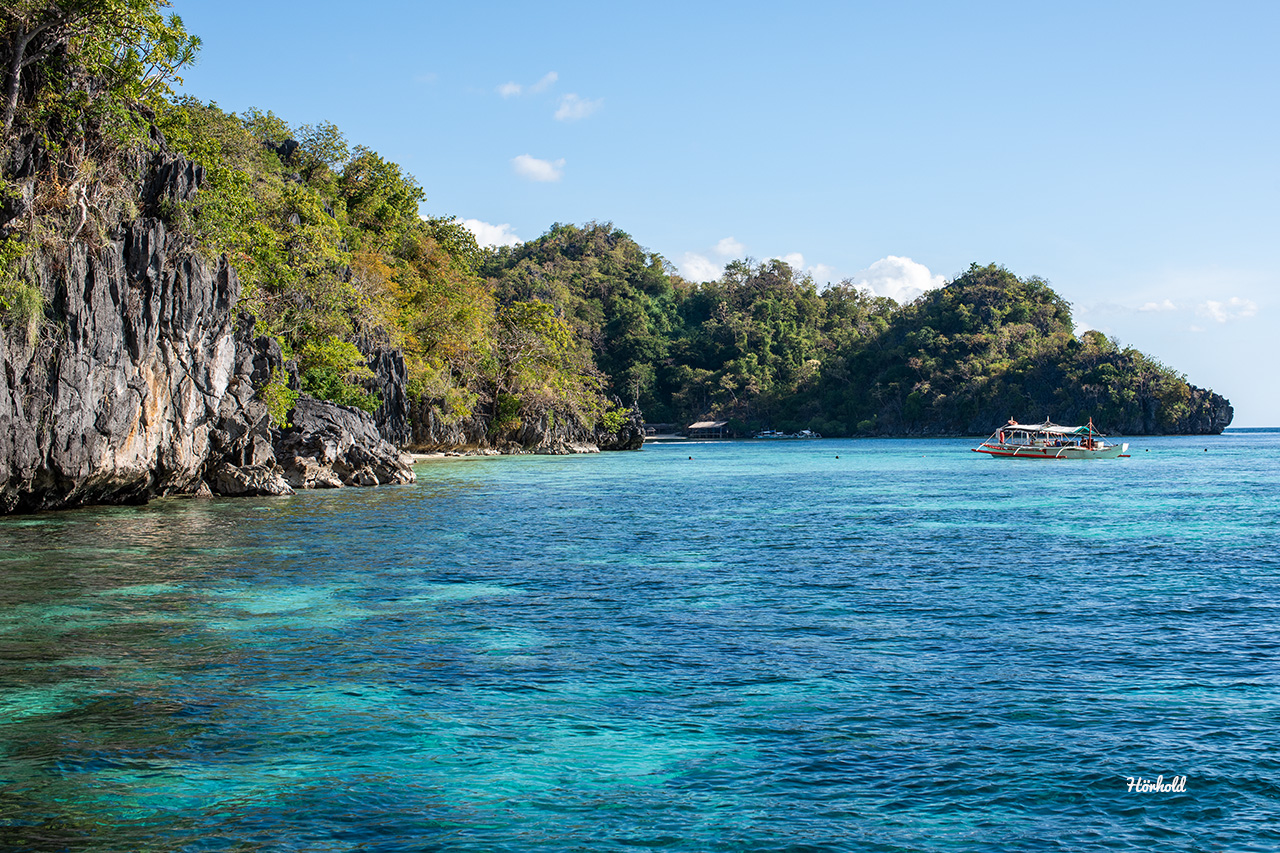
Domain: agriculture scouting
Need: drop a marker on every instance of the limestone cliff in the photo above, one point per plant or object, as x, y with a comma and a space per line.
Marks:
113, 395
138, 381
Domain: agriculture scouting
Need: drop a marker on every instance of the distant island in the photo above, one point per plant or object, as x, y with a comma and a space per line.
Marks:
176, 279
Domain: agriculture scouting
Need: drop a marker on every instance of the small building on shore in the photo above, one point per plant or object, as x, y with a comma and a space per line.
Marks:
708, 429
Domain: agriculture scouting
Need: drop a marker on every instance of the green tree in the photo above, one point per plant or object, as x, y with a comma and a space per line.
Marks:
126, 50
380, 197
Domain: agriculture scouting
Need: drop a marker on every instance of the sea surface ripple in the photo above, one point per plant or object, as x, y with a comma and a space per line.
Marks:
824, 645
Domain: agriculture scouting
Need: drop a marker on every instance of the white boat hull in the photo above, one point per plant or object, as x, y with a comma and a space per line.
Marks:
1031, 451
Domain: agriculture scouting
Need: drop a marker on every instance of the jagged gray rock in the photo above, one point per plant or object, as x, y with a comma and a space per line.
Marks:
630, 436
138, 382
328, 446
114, 397
391, 380
430, 430
241, 458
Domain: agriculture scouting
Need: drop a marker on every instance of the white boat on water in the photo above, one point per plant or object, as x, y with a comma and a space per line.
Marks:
1050, 441
773, 433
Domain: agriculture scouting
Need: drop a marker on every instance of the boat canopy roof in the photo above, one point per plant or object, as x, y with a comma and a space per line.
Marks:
1052, 429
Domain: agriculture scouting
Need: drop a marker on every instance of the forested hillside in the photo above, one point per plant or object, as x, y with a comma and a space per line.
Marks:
766, 348
337, 259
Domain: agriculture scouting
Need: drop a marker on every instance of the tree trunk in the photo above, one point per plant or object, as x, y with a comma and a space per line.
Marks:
13, 79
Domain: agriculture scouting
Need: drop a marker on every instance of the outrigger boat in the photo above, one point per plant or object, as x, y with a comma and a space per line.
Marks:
773, 433
1050, 441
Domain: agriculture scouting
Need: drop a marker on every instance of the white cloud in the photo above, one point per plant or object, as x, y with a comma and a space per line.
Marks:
1166, 305
1233, 309
573, 107
698, 268
534, 169
822, 274
729, 248
491, 235
548, 80
901, 279
514, 89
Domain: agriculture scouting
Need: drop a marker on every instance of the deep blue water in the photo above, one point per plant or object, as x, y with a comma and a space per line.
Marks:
764, 647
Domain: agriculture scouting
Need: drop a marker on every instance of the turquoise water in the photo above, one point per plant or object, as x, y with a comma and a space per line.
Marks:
764, 647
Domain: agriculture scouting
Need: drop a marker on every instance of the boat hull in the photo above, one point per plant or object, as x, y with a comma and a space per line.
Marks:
1010, 451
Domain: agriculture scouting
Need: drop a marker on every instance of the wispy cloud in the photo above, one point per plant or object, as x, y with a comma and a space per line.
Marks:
548, 80
427, 78
488, 235
1234, 308
698, 268
1166, 305
573, 108
822, 274
527, 166
513, 89
728, 247
901, 279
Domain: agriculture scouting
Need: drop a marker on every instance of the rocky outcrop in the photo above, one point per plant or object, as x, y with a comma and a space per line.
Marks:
1207, 414
548, 432
431, 430
242, 458
115, 395
328, 446
630, 436
390, 383
1211, 413
137, 381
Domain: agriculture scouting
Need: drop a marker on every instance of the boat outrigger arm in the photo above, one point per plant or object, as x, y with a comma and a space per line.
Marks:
1050, 441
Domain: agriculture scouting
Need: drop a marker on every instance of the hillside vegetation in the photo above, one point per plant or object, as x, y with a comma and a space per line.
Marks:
765, 348
337, 260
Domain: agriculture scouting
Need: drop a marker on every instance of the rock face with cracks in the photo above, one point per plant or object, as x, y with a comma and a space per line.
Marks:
330, 446
113, 396
139, 380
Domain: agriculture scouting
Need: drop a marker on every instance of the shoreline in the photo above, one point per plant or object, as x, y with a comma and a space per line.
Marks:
434, 455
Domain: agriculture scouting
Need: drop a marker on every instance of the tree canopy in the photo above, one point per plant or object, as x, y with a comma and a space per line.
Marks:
337, 259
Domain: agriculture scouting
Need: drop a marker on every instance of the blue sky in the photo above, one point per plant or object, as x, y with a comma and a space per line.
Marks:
1127, 153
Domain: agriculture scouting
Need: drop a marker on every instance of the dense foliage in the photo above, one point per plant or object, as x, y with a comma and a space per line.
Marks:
80, 79
764, 348
336, 261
